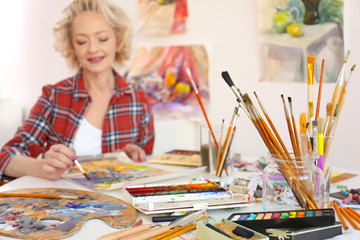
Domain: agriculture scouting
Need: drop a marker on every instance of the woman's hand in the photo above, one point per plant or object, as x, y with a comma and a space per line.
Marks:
56, 160
136, 153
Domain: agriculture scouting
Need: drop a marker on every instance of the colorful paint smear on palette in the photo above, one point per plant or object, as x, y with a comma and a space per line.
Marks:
177, 192
105, 173
285, 219
24, 217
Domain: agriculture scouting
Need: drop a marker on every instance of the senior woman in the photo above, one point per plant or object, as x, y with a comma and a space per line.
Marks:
96, 111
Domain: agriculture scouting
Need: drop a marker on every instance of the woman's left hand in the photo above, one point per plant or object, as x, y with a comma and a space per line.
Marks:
136, 153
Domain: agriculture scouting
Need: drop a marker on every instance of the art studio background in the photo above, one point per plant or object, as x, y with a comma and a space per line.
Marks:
229, 31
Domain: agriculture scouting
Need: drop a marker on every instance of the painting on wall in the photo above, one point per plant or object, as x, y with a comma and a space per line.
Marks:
161, 73
162, 16
292, 30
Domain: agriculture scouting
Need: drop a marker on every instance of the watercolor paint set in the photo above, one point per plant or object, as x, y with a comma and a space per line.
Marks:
185, 196
292, 224
155, 193
285, 219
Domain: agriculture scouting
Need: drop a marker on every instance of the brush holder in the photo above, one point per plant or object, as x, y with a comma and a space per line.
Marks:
293, 183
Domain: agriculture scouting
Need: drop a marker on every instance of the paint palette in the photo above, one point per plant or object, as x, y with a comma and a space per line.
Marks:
25, 217
285, 219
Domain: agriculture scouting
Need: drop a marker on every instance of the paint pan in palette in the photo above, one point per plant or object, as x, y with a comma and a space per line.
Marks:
205, 190
285, 219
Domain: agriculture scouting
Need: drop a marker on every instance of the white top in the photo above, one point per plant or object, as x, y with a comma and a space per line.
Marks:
87, 139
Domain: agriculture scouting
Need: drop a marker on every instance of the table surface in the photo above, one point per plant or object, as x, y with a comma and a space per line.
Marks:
94, 228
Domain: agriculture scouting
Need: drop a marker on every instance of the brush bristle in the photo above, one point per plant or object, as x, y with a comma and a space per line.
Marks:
347, 56
328, 109
227, 78
353, 67
311, 59
315, 123
336, 112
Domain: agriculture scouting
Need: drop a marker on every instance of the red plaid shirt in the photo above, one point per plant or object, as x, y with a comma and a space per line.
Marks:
128, 120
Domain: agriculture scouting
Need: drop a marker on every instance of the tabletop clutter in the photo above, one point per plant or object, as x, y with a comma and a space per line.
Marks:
291, 184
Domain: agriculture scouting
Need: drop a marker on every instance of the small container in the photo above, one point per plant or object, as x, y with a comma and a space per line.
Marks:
204, 232
287, 183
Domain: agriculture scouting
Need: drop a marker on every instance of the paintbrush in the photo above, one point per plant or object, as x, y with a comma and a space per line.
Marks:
292, 138
272, 126
338, 90
320, 89
294, 127
310, 67
331, 130
61, 141
344, 93
236, 91
201, 105
221, 162
327, 120
33, 195
147, 231
304, 136
321, 143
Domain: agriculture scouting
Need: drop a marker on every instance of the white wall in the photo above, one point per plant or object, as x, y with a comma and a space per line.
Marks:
227, 28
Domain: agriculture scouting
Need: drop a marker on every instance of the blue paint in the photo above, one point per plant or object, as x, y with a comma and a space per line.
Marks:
74, 205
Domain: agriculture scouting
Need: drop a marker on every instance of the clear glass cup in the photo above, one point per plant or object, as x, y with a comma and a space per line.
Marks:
215, 157
294, 183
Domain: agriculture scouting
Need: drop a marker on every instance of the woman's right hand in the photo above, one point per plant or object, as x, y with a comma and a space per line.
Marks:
56, 160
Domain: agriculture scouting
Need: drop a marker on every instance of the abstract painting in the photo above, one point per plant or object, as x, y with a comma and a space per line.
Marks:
292, 30
163, 16
26, 217
161, 73
105, 174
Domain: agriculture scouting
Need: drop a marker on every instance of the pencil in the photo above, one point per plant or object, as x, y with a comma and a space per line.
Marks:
320, 88
351, 214
342, 220
33, 195
61, 141
342, 210
354, 212
330, 204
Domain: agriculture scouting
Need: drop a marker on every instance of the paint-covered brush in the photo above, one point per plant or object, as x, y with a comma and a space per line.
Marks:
339, 88
61, 141
344, 93
310, 67
33, 195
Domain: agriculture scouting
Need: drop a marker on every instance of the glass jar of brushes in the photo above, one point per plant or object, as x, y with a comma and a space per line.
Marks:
292, 182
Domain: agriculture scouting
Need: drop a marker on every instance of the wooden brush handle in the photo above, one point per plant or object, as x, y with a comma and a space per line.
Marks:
126, 232
148, 234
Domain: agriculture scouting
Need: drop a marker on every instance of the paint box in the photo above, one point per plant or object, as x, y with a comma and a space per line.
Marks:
204, 232
309, 233
192, 191
285, 219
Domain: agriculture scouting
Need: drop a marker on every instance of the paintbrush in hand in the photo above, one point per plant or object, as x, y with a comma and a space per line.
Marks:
61, 141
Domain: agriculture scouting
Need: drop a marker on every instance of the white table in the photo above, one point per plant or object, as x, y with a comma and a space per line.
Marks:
94, 228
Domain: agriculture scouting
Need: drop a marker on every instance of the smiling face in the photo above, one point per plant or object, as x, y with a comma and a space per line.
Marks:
94, 42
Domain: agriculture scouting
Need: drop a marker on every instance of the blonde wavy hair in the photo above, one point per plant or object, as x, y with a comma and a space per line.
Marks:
115, 16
